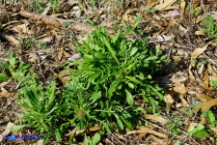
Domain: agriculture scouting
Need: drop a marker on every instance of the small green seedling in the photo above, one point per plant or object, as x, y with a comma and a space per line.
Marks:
210, 28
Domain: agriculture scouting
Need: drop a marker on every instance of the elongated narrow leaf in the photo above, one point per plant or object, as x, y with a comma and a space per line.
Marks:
95, 96
58, 135
137, 21
108, 130
86, 142
96, 138
127, 123
133, 51
130, 99
17, 128
111, 50
159, 94
51, 94
131, 85
133, 79
112, 88
119, 122
33, 99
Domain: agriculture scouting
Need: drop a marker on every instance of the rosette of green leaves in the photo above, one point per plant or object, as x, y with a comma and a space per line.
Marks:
113, 74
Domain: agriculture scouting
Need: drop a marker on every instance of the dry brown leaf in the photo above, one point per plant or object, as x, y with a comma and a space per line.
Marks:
198, 51
127, 17
165, 5
94, 128
21, 29
207, 105
214, 131
177, 58
5, 94
203, 96
182, 7
206, 81
194, 55
5, 83
66, 6
14, 42
164, 38
46, 37
179, 77
202, 119
190, 73
148, 130
169, 99
48, 20
80, 27
180, 89
44, 13
201, 33
211, 70
201, 70
60, 53
78, 132
213, 78
214, 15
144, 130
156, 119
184, 102
39, 142
157, 141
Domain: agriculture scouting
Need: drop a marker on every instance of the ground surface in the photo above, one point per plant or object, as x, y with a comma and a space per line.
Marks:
174, 26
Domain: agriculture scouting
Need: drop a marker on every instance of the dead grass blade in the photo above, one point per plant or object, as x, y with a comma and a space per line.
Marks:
144, 130
157, 141
206, 81
5, 94
80, 27
48, 20
207, 105
157, 119
165, 5
203, 96
180, 89
198, 51
13, 41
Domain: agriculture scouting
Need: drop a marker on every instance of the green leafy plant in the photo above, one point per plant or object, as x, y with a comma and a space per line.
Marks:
26, 43
93, 141
213, 83
201, 63
175, 124
40, 107
55, 4
3, 71
17, 70
210, 28
12, 69
40, 5
210, 118
113, 74
3, 77
192, 110
37, 5
199, 131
